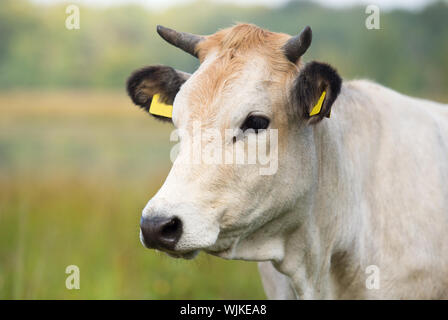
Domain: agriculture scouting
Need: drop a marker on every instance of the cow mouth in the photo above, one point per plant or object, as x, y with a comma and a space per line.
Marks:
189, 255
183, 255
223, 250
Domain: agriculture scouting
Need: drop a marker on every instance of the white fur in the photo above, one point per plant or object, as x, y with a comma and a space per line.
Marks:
366, 187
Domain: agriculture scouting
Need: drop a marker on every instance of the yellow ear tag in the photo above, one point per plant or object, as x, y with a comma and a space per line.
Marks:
318, 106
159, 108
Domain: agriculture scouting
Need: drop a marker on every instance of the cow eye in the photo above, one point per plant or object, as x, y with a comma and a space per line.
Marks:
256, 123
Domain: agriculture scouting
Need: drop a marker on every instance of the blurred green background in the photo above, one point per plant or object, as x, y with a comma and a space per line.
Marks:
78, 162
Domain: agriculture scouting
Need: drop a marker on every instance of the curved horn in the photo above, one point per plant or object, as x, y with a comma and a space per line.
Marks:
185, 41
297, 46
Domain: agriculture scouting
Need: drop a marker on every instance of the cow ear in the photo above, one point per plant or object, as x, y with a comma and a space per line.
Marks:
314, 91
146, 82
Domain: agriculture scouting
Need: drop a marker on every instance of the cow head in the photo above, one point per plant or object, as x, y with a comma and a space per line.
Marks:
251, 86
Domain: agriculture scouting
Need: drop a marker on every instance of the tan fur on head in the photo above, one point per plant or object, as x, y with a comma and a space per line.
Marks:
244, 38
234, 47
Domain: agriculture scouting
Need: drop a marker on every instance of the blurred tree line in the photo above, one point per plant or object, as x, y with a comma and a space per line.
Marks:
409, 53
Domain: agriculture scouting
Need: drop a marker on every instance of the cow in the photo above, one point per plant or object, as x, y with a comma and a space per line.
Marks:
357, 207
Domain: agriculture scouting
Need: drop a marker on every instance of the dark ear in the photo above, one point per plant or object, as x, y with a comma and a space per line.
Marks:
312, 81
146, 82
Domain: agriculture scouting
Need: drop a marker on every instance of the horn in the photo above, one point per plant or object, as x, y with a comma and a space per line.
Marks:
185, 41
297, 46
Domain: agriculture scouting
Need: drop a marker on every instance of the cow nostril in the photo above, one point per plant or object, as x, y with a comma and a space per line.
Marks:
171, 230
160, 232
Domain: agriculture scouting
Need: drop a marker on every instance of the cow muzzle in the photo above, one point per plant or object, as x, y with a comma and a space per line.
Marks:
160, 232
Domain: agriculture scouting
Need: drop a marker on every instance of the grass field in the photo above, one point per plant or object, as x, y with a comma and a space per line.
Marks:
76, 169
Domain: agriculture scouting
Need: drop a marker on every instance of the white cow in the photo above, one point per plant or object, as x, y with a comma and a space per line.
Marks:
358, 206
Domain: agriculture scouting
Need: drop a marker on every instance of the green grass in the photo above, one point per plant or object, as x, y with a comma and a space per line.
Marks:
76, 169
